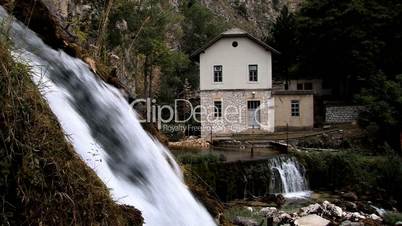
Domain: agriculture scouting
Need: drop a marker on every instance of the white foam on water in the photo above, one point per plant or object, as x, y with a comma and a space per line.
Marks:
288, 177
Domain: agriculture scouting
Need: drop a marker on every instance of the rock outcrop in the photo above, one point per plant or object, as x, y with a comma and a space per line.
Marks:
255, 16
320, 214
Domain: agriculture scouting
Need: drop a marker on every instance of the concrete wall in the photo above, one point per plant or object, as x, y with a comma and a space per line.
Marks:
283, 115
235, 62
342, 114
234, 103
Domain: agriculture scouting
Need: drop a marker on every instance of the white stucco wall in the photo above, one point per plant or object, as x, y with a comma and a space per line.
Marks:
235, 62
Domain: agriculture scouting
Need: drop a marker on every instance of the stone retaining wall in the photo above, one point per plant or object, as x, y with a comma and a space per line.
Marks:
342, 114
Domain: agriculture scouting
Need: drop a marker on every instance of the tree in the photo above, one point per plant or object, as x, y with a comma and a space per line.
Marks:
144, 42
174, 72
283, 38
343, 42
347, 43
382, 117
199, 26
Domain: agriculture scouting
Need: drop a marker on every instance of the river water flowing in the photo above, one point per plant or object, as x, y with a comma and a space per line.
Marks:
105, 132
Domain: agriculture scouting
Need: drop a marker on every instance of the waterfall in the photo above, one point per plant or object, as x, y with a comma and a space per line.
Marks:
105, 132
287, 177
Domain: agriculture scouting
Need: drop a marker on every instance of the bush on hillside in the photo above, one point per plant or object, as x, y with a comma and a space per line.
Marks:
378, 176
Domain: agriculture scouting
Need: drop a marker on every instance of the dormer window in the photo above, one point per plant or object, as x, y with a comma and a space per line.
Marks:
218, 76
253, 73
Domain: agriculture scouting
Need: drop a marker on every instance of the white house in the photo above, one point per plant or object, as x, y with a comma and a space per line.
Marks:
236, 85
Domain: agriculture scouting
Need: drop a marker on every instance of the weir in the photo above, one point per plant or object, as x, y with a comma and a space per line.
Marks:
288, 177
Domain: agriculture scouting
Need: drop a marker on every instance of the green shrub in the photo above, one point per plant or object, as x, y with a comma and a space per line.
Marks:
392, 217
199, 158
235, 180
347, 170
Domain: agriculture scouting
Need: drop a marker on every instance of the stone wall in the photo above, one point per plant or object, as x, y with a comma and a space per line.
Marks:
342, 114
234, 111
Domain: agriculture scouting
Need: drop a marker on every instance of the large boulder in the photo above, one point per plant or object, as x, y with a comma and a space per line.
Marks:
311, 220
332, 210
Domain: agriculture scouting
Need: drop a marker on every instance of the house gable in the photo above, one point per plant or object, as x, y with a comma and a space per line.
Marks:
235, 55
232, 33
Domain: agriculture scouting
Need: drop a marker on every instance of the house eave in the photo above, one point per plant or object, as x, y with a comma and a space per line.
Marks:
292, 92
195, 56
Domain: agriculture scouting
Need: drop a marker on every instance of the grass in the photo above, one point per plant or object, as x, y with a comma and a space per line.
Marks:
199, 158
43, 181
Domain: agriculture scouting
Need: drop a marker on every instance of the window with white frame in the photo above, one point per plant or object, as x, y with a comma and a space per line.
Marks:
253, 73
217, 109
218, 75
295, 108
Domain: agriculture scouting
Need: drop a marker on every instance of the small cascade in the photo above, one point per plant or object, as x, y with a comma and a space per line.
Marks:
287, 177
106, 133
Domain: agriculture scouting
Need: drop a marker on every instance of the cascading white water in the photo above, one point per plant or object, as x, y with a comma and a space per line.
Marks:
287, 177
105, 132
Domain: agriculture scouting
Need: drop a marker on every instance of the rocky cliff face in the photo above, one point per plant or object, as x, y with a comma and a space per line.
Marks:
255, 16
